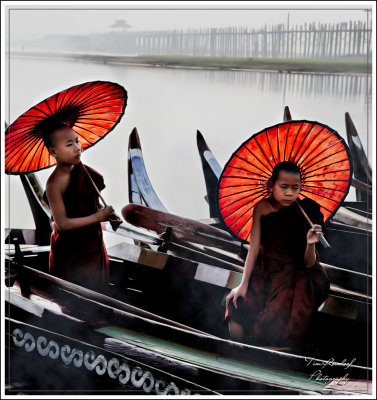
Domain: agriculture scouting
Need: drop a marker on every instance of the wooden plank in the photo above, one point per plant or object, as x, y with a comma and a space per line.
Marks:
363, 187
350, 218
196, 255
183, 228
195, 270
34, 277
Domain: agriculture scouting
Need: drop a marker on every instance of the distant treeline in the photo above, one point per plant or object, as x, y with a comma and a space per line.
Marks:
314, 40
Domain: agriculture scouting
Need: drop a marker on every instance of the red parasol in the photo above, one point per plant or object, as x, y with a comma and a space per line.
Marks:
320, 153
91, 109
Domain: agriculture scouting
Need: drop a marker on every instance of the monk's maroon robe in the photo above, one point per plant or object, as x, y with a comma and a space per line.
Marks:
283, 293
79, 255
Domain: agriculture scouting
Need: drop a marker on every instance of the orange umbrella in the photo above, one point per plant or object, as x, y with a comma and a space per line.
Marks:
91, 109
321, 154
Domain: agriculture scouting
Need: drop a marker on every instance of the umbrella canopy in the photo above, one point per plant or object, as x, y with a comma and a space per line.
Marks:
91, 109
319, 152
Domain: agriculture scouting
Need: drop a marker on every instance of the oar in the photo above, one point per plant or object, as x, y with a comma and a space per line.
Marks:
114, 220
320, 235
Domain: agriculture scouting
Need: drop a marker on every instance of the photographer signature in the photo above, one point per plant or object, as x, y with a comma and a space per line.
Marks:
320, 364
318, 376
330, 362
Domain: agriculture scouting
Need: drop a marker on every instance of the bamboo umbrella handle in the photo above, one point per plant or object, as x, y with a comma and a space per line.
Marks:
94, 185
114, 220
320, 236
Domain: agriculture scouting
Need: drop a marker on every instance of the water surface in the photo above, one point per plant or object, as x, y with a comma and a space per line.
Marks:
167, 106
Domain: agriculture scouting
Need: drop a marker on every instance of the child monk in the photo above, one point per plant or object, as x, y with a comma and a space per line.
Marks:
78, 253
282, 291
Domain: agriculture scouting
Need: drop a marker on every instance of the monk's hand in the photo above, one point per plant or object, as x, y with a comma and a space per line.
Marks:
239, 291
312, 235
104, 213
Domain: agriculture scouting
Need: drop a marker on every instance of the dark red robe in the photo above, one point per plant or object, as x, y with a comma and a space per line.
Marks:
283, 293
79, 255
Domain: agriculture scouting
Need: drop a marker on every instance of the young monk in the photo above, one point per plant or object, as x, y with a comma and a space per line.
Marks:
78, 253
281, 292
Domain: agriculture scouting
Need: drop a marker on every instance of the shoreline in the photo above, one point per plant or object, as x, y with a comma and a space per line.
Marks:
334, 66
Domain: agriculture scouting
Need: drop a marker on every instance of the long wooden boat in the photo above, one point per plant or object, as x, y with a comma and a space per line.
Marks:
165, 292
78, 312
151, 280
202, 280
174, 289
69, 355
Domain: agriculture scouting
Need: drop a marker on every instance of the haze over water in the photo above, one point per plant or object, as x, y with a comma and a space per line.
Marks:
168, 106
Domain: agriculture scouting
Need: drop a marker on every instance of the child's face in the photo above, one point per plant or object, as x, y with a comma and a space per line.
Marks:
66, 146
286, 188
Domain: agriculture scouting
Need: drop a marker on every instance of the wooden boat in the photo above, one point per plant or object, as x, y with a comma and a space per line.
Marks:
195, 278
165, 281
343, 302
84, 316
69, 354
151, 279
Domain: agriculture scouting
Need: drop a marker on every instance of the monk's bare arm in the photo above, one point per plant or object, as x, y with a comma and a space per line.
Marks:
55, 198
311, 240
252, 255
254, 244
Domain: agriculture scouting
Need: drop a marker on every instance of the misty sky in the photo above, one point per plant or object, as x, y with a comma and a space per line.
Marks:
50, 18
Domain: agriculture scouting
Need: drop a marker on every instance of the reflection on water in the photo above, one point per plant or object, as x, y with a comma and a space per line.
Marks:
352, 88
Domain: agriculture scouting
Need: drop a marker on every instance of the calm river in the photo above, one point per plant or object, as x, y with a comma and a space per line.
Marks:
167, 106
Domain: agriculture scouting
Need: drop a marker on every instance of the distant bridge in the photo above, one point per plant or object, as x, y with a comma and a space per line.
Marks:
347, 39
